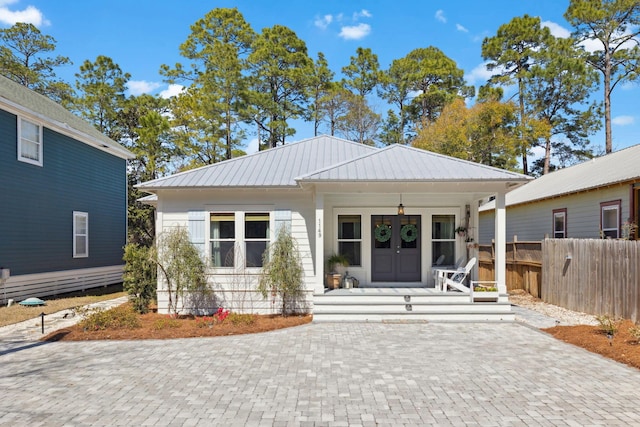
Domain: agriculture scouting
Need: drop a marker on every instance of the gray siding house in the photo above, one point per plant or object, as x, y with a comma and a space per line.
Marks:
597, 198
63, 214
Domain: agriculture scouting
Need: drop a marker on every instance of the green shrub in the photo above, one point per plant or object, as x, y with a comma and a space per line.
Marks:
282, 273
140, 276
183, 269
242, 319
166, 323
608, 324
634, 331
121, 317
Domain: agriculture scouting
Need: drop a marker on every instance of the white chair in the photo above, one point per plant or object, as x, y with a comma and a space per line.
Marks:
455, 278
436, 269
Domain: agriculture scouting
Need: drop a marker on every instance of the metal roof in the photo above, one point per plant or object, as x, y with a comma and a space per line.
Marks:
403, 163
325, 159
613, 168
21, 100
276, 167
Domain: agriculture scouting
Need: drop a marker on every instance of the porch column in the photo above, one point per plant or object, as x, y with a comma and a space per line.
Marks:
319, 232
501, 243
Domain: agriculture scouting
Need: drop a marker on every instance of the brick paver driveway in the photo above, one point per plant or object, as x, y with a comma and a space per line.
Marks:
322, 374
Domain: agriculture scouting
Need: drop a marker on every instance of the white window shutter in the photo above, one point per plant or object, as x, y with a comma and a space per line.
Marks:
196, 229
282, 218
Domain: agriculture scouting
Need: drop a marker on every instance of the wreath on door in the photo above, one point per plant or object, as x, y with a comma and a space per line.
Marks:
409, 233
383, 233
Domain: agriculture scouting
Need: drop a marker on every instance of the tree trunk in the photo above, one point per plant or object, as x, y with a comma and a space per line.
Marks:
547, 156
607, 101
523, 144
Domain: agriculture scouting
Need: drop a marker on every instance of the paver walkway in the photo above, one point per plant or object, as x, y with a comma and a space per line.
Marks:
327, 374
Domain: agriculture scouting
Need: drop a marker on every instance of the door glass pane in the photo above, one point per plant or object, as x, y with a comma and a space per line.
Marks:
382, 231
409, 231
443, 227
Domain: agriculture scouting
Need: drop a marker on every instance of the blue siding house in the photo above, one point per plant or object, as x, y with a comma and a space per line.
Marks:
63, 199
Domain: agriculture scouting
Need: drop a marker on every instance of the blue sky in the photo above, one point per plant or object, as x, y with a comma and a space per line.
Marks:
141, 35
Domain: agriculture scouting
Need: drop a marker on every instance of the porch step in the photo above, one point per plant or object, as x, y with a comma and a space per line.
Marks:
407, 306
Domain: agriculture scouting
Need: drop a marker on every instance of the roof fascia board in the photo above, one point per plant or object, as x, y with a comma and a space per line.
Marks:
67, 130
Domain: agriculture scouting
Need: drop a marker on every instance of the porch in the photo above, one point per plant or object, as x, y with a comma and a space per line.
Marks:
409, 304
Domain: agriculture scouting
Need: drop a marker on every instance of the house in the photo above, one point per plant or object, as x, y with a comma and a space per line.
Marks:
589, 200
63, 207
391, 211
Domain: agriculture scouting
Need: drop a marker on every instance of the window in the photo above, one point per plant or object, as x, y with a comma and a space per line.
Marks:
80, 234
559, 223
610, 219
222, 235
256, 237
350, 238
443, 239
29, 142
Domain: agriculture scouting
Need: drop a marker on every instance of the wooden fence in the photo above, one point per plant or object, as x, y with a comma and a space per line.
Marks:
524, 265
593, 276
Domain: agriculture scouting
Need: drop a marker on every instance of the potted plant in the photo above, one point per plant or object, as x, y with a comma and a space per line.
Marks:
337, 266
462, 231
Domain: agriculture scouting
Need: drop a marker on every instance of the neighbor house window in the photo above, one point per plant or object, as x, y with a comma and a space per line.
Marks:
443, 240
29, 142
350, 238
256, 237
559, 223
80, 234
610, 219
222, 237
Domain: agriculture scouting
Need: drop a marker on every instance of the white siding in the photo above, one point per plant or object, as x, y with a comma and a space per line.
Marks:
233, 287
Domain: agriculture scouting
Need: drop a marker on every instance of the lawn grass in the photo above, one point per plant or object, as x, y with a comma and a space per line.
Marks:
18, 313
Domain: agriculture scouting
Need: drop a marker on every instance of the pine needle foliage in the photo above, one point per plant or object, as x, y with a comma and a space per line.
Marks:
282, 272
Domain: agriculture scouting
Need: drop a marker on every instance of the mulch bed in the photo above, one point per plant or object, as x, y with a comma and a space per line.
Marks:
623, 348
162, 326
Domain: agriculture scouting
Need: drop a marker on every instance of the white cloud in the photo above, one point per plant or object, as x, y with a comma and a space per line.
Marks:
29, 15
591, 45
537, 152
461, 28
323, 22
138, 87
623, 120
355, 32
253, 146
479, 74
440, 16
364, 13
594, 45
557, 30
172, 90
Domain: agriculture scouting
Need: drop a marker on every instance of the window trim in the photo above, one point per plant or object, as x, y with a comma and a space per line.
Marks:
85, 215
557, 212
617, 204
21, 158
